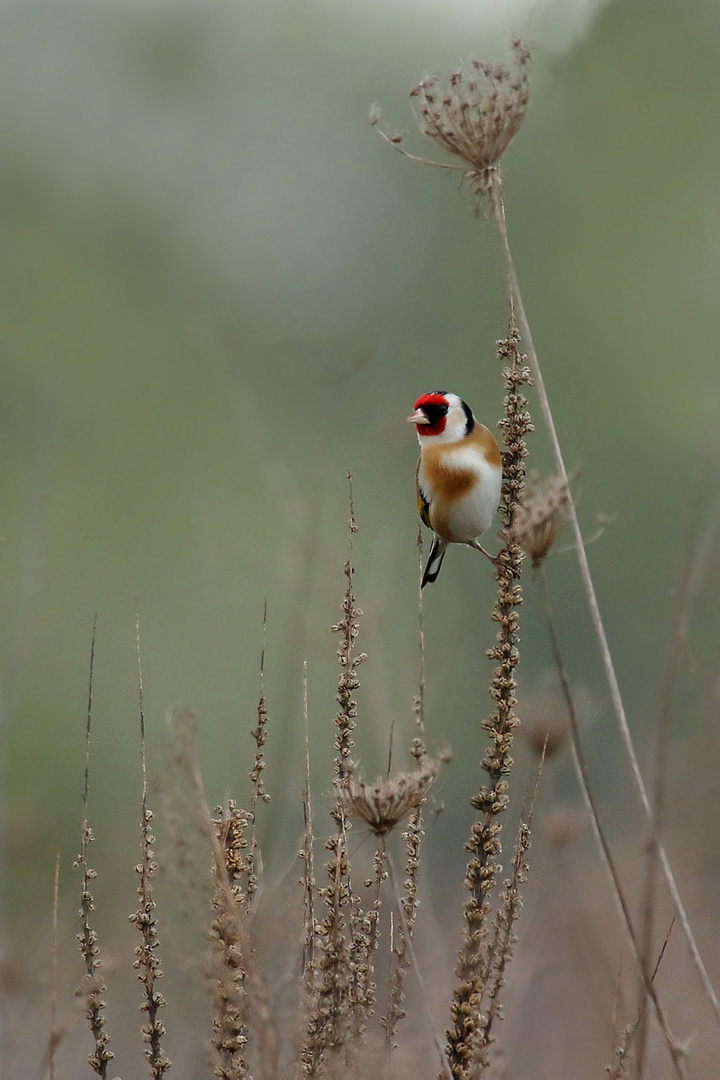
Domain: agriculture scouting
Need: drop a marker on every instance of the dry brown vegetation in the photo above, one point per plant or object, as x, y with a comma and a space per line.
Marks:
338, 974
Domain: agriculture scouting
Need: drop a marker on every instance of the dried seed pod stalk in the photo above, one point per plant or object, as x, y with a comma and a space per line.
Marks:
466, 1041
148, 962
473, 116
144, 918
259, 794
402, 928
330, 1020
93, 987
230, 1005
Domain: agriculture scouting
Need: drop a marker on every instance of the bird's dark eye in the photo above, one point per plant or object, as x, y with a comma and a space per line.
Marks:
435, 412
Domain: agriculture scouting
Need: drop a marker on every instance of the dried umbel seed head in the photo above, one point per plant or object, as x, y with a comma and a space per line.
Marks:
384, 803
477, 113
541, 516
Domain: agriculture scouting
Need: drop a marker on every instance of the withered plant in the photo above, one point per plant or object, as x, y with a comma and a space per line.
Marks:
92, 988
147, 963
335, 968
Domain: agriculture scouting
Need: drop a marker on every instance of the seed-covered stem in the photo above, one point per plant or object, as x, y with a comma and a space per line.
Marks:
93, 987
336, 948
147, 963
258, 792
597, 621
466, 1040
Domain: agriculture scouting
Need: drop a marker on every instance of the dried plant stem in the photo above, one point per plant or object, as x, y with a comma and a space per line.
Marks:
147, 963
364, 937
92, 988
54, 1031
617, 1070
258, 792
412, 838
337, 947
328, 1023
466, 1045
239, 997
583, 774
308, 960
231, 946
697, 554
616, 697
419, 700
445, 1069
400, 945
507, 914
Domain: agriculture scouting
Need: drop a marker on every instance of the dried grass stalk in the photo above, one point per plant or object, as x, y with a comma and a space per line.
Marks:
258, 792
307, 854
93, 987
340, 940
230, 945
401, 935
237, 993
674, 1046
147, 963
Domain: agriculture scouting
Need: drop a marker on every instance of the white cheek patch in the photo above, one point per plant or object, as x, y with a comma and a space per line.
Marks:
454, 430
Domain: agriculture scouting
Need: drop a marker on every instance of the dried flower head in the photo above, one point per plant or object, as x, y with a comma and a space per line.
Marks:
541, 516
476, 115
384, 803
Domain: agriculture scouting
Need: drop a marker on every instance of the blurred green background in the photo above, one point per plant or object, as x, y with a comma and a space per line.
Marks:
222, 291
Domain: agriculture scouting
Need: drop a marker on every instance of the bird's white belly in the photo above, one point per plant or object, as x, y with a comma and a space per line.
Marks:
473, 514
470, 515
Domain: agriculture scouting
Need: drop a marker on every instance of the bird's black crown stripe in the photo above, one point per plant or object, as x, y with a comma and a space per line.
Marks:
469, 418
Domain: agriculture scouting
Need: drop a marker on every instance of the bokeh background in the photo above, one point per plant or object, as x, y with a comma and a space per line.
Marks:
222, 291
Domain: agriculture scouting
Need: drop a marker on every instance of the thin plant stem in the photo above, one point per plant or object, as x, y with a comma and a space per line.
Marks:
93, 986
500, 951
258, 792
419, 701
583, 775
54, 1033
444, 1064
308, 962
617, 1071
147, 963
695, 563
610, 673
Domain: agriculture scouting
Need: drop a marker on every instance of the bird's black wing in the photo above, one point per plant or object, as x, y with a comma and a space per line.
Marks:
423, 502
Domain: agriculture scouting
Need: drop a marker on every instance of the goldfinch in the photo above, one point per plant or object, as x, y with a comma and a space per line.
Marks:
459, 475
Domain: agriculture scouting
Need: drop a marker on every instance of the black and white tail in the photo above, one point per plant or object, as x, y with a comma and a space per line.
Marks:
435, 560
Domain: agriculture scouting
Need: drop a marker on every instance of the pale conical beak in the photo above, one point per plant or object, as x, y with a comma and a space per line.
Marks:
418, 417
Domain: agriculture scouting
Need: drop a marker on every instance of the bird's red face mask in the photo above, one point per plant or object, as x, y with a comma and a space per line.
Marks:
430, 414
